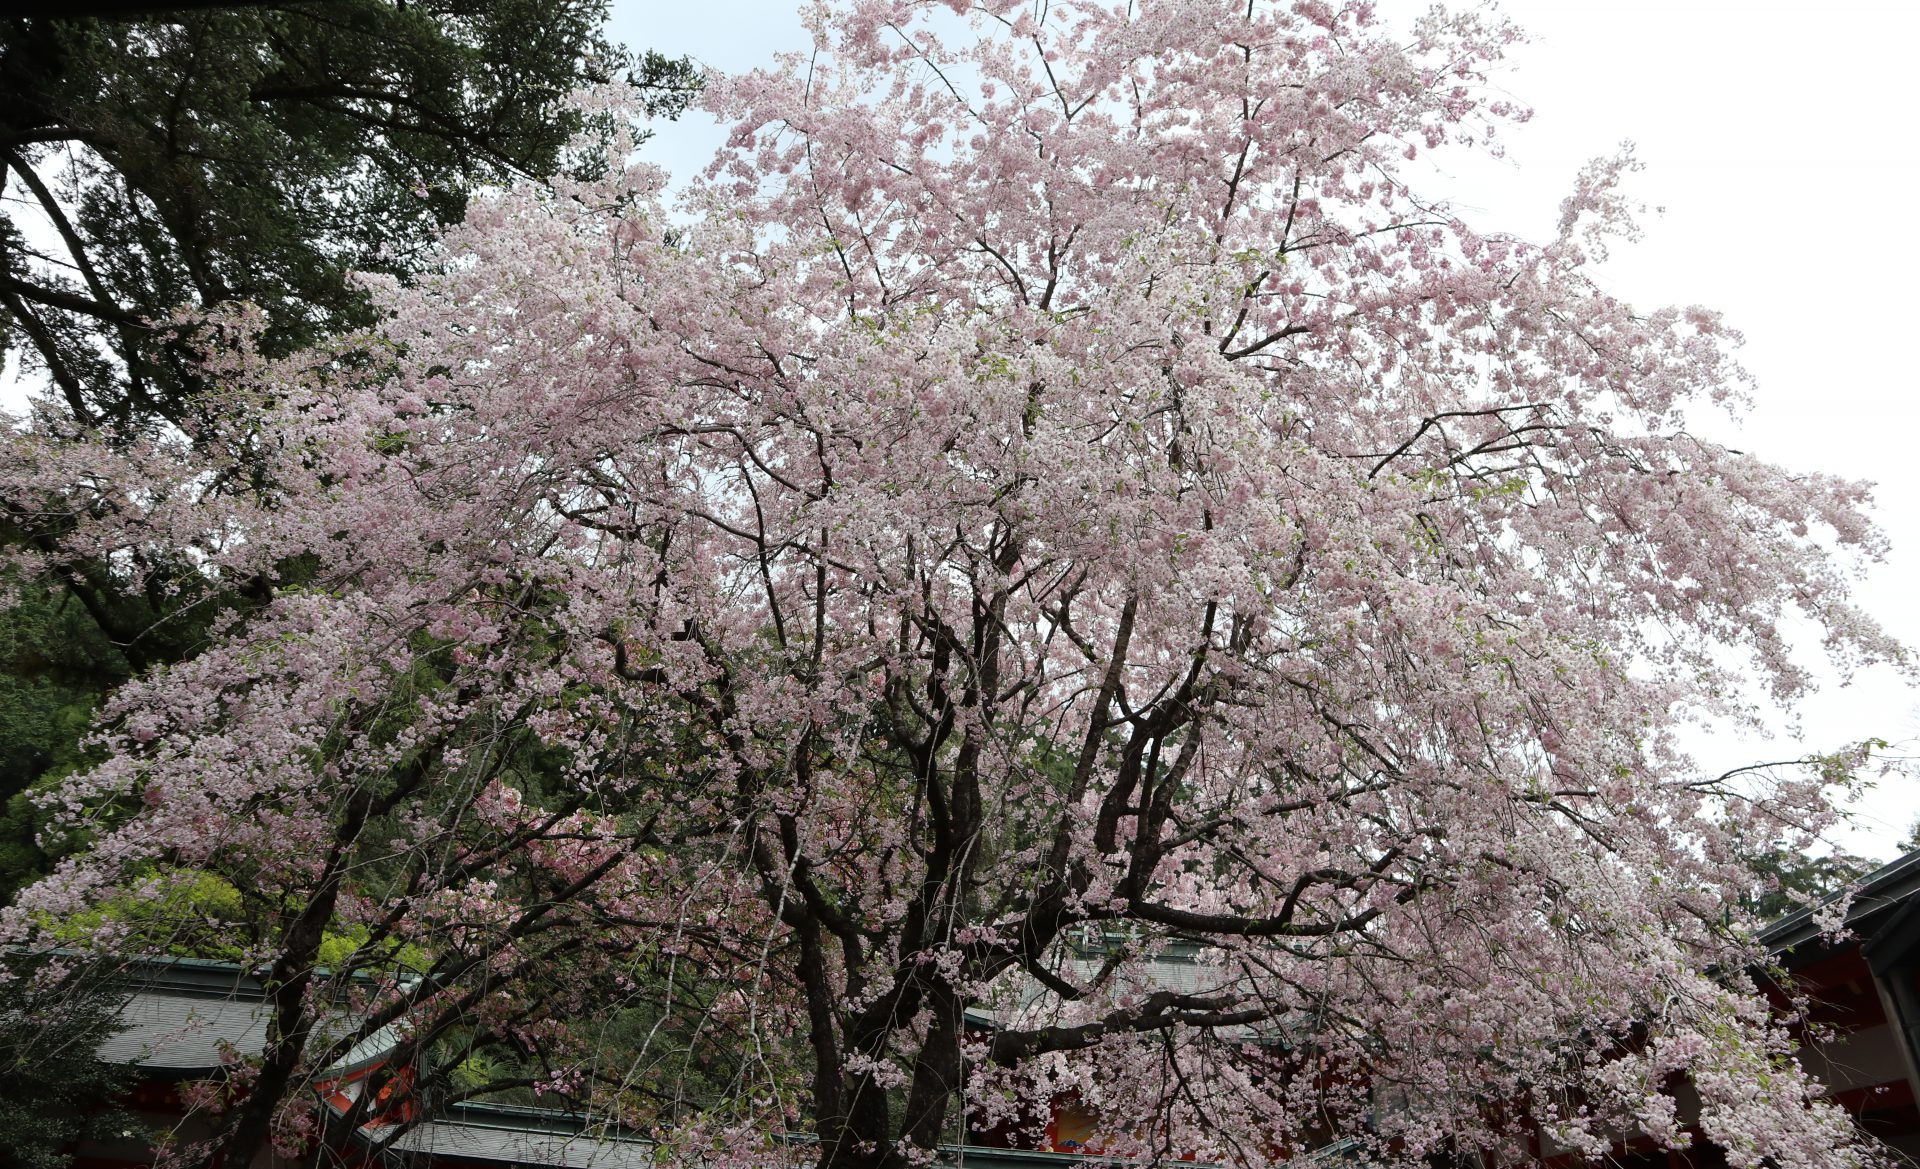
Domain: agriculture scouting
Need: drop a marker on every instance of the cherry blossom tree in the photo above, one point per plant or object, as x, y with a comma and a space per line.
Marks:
1052, 499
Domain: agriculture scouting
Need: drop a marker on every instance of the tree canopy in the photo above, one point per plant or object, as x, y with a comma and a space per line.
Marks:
1052, 499
260, 154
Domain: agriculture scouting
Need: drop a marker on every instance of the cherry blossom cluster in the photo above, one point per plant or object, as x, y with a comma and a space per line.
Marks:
1051, 573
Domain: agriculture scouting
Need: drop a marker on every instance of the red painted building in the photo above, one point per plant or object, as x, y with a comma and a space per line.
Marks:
1866, 992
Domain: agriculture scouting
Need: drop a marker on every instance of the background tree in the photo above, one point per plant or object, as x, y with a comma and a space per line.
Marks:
262, 154
1787, 880
258, 154
1059, 500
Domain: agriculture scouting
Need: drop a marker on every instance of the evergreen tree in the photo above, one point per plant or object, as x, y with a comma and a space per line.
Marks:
261, 154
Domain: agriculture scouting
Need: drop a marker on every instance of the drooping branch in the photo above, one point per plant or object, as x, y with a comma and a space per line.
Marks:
1159, 1011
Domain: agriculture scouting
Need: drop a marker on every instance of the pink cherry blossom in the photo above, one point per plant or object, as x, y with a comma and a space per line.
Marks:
1050, 507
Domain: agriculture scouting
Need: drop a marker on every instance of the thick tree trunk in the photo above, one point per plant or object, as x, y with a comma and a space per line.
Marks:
288, 1026
936, 1074
290, 1023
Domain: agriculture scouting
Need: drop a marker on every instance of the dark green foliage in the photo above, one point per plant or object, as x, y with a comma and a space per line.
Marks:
58, 661
54, 665
261, 154
53, 660
52, 1090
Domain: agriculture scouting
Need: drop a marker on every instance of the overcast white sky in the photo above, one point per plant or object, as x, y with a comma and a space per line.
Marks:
1777, 143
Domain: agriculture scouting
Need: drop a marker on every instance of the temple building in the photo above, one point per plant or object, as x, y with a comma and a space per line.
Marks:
187, 1020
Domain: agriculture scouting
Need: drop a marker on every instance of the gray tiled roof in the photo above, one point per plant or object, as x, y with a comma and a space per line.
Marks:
511, 1139
183, 1013
185, 1033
